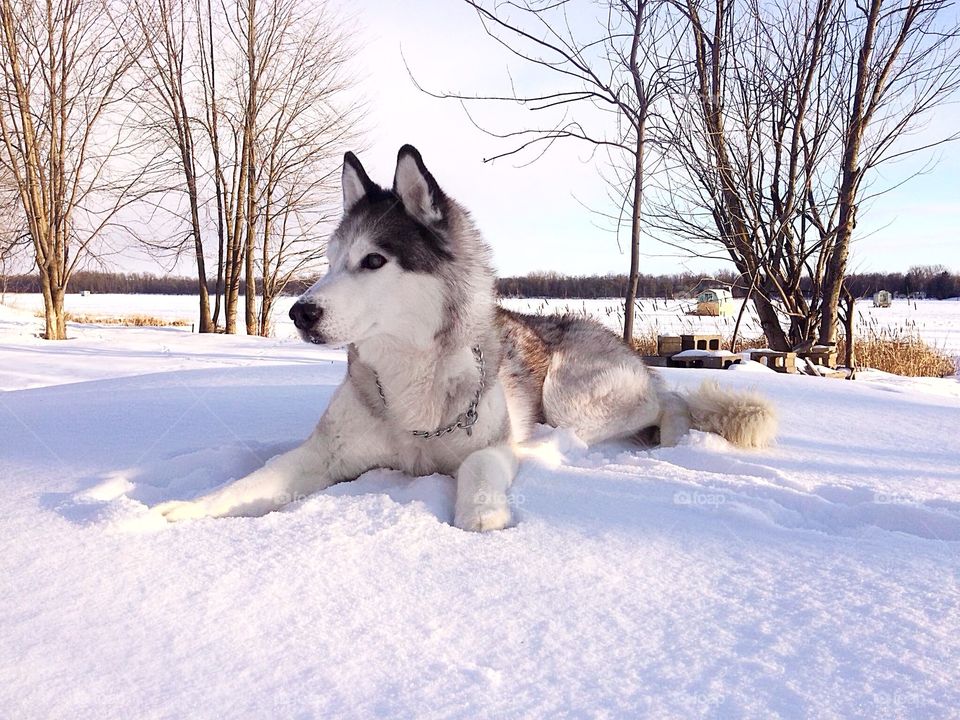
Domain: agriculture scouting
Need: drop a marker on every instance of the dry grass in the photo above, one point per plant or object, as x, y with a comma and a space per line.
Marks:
646, 343
128, 320
754, 343
900, 352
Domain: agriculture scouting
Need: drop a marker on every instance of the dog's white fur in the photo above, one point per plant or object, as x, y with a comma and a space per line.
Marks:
569, 373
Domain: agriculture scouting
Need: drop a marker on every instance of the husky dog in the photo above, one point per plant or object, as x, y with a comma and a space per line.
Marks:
441, 379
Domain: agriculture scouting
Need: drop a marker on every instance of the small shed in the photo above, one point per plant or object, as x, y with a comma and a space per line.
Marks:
715, 301
882, 298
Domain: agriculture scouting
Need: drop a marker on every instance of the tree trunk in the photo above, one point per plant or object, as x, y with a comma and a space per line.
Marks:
250, 297
850, 180
631, 298
220, 279
770, 323
267, 286
206, 323
231, 292
849, 355
837, 264
250, 280
48, 314
235, 247
54, 321
250, 292
218, 183
59, 316
231, 295
266, 307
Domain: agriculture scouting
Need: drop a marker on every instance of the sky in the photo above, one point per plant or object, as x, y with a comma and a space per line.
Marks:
535, 217
538, 217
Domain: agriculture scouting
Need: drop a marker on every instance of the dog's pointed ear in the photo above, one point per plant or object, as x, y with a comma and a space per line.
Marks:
416, 188
356, 183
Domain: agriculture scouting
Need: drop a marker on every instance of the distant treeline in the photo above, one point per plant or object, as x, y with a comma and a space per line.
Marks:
934, 282
551, 285
117, 283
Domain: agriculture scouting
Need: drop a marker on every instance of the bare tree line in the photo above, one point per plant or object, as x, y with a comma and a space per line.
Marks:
62, 71
608, 86
795, 105
746, 130
269, 83
221, 122
930, 281
740, 129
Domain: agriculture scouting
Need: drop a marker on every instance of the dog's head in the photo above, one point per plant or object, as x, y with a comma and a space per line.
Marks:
387, 259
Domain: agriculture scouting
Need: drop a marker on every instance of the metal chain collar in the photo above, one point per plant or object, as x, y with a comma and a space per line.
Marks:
464, 421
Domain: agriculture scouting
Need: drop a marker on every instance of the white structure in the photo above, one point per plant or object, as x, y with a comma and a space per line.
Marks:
715, 301
84, 293
882, 298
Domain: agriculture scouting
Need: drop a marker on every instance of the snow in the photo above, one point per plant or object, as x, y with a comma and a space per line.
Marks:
165, 307
817, 578
703, 354
936, 321
748, 365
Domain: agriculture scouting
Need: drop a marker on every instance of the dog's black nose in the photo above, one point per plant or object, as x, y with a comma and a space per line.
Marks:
305, 314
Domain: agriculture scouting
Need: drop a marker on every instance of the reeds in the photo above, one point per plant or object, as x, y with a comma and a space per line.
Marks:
897, 351
136, 320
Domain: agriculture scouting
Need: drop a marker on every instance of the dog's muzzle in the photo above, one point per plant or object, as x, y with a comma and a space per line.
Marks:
305, 314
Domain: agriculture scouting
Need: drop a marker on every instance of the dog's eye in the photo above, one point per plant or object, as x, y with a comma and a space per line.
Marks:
373, 261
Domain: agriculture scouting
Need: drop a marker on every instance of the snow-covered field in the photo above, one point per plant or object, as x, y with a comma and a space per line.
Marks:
936, 321
819, 578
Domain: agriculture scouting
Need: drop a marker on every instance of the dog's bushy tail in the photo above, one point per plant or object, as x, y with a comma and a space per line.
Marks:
744, 418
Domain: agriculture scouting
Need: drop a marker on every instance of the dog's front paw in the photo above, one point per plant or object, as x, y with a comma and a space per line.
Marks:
483, 516
177, 510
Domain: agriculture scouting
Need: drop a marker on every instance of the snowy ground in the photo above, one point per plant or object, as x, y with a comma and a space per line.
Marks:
819, 578
936, 321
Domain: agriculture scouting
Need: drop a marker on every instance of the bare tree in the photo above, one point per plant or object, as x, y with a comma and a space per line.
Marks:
906, 57
62, 65
761, 149
250, 98
162, 50
225, 70
288, 121
608, 82
211, 119
751, 136
257, 49
306, 122
253, 34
